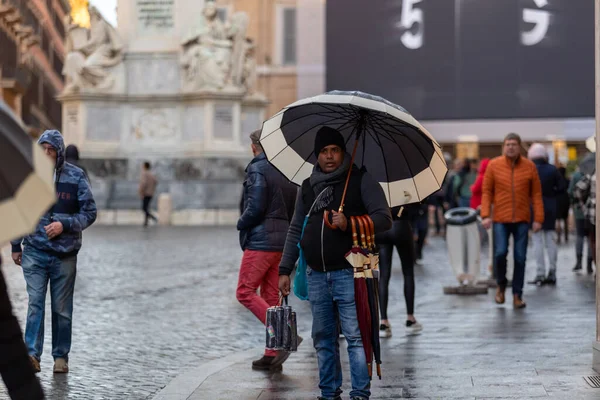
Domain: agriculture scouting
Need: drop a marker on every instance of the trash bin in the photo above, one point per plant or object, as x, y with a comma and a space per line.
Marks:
463, 239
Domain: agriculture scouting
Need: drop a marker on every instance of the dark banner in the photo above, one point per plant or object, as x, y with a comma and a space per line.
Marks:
466, 59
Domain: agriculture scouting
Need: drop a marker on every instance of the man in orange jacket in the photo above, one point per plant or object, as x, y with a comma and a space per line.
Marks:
511, 184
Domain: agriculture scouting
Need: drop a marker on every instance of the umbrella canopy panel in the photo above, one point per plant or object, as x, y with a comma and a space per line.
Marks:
26, 184
16, 154
393, 146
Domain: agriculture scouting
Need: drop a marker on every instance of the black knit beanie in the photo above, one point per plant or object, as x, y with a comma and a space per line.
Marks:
327, 136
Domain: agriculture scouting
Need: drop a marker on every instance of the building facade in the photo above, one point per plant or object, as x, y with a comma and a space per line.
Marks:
32, 38
409, 65
274, 28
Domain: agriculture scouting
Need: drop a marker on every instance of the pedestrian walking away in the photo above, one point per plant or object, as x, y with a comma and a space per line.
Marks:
420, 225
581, 226
72, 157
585, 194
510, 185
553, 185
267, 208
563, 205
330, 276
463, 182
148, 183
477, 187
401, 238
50, 255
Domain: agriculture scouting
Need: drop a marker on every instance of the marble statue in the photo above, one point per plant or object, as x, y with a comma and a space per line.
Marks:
207, 53
218, 55
92, 55
249, 76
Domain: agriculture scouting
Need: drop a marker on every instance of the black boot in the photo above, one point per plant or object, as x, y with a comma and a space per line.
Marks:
264, 363
578, 264
590, 270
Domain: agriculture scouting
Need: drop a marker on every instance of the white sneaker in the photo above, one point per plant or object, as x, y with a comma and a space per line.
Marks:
413, 328
385, 331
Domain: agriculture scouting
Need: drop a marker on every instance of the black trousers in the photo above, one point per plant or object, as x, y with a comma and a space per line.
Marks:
401, 237
145, 205
15, 367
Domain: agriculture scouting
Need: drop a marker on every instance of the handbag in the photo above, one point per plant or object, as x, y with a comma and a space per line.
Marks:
300, 280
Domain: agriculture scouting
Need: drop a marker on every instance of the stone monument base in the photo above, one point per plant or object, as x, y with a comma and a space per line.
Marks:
197, 144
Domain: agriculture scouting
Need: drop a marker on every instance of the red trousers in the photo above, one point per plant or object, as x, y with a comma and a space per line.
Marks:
259, 270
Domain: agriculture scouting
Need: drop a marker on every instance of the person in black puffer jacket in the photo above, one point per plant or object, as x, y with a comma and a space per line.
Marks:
267, 207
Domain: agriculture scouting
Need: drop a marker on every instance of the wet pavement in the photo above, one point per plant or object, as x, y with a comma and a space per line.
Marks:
470, 347
148, 305
155, 305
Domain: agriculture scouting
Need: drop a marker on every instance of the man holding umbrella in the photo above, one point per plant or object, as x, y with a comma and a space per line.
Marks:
50, 255
330, 276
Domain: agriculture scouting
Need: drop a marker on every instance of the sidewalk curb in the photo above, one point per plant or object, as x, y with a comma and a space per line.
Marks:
185, 384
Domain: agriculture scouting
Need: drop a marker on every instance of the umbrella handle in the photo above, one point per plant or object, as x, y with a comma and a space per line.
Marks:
326, 219
361, 225
341, 209
365, 218
371, 226
354, 233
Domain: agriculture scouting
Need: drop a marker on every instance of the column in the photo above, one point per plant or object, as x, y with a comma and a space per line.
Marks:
596, 351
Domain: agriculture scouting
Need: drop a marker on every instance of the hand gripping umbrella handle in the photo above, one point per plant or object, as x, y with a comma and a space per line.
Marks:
341, 209
326, 219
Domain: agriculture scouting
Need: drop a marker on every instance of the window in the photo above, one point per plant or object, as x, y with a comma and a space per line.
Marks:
289, 36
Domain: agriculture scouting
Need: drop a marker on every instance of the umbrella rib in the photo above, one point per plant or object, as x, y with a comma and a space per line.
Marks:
299, 136
405, 135
294, 120
419, 149
407, 164
387, 174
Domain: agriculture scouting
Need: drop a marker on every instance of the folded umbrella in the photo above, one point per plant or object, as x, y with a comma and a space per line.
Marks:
357, 259
372, 287
26, 184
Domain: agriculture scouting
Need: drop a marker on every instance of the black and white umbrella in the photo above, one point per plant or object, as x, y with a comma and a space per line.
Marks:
26, 185
394, 147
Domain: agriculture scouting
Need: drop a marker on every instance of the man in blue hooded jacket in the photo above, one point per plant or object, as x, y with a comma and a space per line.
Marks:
50, 255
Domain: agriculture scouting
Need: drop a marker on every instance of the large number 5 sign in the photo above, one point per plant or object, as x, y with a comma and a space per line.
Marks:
411, 16
541, 19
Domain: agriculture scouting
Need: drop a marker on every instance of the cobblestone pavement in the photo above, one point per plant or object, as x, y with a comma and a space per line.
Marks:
148, 304
151, 305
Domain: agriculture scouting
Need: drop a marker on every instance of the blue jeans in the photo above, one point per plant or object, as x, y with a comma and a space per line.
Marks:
502, 232
331, 295
464, 201
39, 268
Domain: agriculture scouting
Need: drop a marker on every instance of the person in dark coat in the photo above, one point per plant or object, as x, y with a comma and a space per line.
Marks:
553, 185
15, 367
581, 226
400, 237
563, 203
267, 207
72, 157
